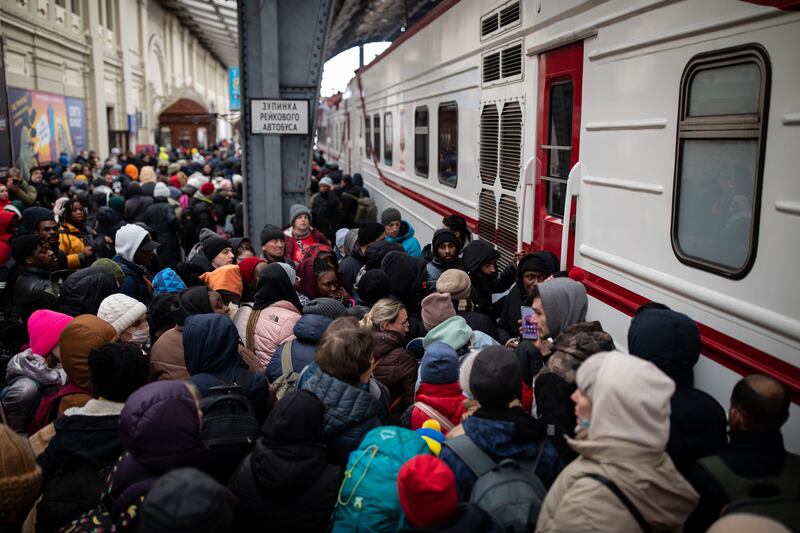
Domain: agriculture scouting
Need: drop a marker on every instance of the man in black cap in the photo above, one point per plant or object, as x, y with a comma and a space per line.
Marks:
273, 245
36, 260
368, 232
218, 251
41, 221
135, 250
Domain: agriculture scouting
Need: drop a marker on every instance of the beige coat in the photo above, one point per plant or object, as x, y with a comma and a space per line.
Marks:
576, 503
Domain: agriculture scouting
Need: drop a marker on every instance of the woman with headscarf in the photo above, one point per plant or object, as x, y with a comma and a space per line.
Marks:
622, 404
319, 278
275, 312
166, 355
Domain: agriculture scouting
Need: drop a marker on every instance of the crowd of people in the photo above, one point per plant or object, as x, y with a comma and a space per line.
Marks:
161, 372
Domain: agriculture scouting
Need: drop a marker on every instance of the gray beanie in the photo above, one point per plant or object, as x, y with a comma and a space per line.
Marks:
328, 307
296, 210
389, 215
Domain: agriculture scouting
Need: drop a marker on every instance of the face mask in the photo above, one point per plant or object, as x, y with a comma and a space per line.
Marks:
583, 424
140, 336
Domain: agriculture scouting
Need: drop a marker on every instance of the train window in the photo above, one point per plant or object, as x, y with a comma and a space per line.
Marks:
388, 138
719, 162
421, 141
368, 135
448, 143
376, 140
559, 147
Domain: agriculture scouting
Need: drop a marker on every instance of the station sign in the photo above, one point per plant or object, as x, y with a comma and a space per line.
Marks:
278, 117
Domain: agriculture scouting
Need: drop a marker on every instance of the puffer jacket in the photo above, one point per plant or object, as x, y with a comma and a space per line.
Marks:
83, 291
161, 218
28, 379
166, 356
350, 411
395, 367
71, 241
307, 332
647, 477
407, 239
446, 398
135, 207
269, 328
137, 284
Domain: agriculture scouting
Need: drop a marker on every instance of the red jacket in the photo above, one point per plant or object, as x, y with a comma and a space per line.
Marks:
447, 399
291, 243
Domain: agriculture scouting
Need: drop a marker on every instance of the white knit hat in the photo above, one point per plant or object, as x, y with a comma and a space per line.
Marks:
121, 311
161, 190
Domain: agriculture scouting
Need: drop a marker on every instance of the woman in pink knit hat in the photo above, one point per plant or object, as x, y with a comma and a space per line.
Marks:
35, 371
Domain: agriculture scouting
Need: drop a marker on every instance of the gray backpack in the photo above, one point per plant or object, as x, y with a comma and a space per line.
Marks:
287, 382
509, 491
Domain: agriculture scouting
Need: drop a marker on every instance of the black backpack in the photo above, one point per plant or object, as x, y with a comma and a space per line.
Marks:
74, 489
229, 428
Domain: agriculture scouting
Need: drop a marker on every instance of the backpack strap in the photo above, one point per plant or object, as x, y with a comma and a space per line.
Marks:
432, 413
250, 330
637, 515
286, 358
469, 452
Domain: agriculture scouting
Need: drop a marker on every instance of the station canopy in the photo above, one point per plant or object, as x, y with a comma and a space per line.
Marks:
355, 22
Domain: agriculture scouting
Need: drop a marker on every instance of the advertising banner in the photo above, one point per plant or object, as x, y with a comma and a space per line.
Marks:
5, 126
233, 84
43, 125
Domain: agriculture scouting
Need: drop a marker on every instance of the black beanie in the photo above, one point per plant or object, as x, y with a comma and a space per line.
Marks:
24, 246
443, 235
373, 286
495, 379
328, 307
33, 215
369, 231
270, 233
213, 245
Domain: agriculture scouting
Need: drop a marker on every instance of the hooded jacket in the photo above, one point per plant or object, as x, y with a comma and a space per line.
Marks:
161, 218
564, 303
136, 203
670, 340
28, 378
307, 332
394, 366
407, 239
475, 255
543, 262
83, 291
625, 442
275, 313
286, 481
350, 267
210, 349
409, 280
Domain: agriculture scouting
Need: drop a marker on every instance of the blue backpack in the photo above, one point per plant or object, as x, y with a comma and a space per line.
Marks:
368, 498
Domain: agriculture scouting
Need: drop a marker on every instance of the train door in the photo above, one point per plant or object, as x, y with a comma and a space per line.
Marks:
559, 120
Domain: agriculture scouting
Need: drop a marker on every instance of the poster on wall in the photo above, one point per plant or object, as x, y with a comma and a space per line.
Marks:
233, 88
43, 125
5, 129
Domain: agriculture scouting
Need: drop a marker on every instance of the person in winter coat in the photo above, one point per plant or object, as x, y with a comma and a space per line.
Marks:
532, 269
300, 238
128, 317
135, 249
204, 216
83, 291
500, 427
108, 223
273, 245
409, 282
166, 355
456, 284
445, 251
8, 230
136, 203
286, 481
78, 338
36, 261
400, 231
622, 404
427, 491
368, 232
439, 389
72, 235
34, 372
317, 316
480, 262
395, 368
41, 222
371, 287
20, 482
160, 218
210, 349
326, 209
557, 303
319, 278
275, 313
251, 270
340, 378
671, 341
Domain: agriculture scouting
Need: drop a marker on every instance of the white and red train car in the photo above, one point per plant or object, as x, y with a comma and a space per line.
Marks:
666, 132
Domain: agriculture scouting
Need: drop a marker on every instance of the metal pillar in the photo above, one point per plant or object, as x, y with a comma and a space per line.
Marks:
282, 44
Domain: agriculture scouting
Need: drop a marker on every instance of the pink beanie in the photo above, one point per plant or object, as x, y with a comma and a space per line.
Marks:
44, 329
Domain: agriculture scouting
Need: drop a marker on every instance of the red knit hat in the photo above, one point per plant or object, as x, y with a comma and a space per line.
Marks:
427, 490
44, 329
175, 181
207, 189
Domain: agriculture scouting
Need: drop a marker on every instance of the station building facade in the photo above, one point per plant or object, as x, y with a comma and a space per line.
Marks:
96, 74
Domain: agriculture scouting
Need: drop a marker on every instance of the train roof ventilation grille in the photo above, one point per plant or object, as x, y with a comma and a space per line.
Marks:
490, 24
487, 215
507, 230
510, 145
511, 61
491, 67
488, 149
509, 15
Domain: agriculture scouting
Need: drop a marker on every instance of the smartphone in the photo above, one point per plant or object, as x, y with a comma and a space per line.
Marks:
528, 325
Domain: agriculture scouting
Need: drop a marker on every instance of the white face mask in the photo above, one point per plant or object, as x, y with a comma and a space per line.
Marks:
140, 336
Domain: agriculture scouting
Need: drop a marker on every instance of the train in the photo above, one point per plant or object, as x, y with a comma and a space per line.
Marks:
651, 143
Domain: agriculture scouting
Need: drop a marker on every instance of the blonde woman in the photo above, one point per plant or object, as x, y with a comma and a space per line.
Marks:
394, 366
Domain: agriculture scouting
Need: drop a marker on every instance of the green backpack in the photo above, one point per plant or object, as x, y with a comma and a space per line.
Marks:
776, 497
287, 382
368, 498
367, 210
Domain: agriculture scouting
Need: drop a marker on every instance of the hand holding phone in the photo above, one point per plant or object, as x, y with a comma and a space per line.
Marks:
528, 325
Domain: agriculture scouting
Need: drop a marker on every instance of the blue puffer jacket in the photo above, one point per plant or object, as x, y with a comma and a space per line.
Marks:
407, 240
502, 439
308, 330
350, 411
134, 284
